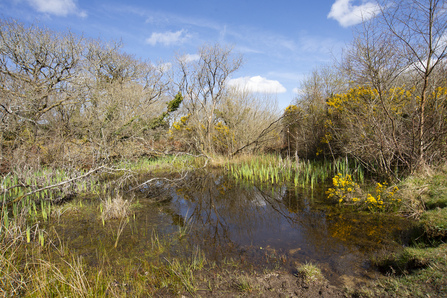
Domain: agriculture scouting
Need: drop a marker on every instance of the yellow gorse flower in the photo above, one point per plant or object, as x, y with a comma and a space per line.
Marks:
344, 188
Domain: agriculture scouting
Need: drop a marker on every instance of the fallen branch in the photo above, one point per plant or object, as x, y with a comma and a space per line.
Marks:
183, 176
61, 183
262, 134
156, 179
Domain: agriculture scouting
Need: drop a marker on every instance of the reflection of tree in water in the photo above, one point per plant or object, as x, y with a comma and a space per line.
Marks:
367, 232
226, 217
222, 213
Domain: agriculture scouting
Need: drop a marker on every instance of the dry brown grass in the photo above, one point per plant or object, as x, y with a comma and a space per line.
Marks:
12, 237
413, 192
116, 208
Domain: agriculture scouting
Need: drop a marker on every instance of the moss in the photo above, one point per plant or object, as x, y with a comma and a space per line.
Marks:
403, 262
437, 194
434, 223
431, 281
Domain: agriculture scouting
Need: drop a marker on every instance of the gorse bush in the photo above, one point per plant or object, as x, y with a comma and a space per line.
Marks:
344, 189
346, 192
384, 199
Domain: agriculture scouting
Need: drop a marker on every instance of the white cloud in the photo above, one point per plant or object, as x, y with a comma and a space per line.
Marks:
190, 58
57, 7
297, 91
164, 66
347, 14
168, 38
258, 84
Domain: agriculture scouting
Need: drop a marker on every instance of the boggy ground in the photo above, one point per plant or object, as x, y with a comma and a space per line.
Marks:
423, 281
272, 285
226, 283
45, 269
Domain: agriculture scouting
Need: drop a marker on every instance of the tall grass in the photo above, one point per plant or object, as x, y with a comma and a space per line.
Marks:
274, 169
164, 163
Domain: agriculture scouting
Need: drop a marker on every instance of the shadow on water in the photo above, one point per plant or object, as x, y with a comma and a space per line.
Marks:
260, 227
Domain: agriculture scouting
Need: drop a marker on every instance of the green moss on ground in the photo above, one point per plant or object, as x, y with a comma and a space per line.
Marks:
421, 269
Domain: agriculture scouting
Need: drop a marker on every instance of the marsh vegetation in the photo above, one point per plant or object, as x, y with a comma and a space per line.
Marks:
122, 177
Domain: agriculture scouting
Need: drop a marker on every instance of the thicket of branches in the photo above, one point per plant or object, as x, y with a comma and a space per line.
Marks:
72, 100
385, 102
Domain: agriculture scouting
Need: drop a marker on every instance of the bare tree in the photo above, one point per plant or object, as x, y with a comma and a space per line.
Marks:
242, 118
38, 68
203, 83
58, 87
125, 94
420, 30
38, 75
371, 58
305, 121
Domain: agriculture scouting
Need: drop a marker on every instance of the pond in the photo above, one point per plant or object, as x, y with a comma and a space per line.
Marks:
257, 227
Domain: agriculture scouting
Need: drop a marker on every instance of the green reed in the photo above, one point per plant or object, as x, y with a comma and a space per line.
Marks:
274, 169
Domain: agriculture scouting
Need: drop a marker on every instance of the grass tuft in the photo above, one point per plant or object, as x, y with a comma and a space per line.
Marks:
116, 208
310, 273
243, 284
403, 262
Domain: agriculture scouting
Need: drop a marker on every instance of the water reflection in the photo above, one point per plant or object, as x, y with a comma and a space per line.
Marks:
258, 226
277, 226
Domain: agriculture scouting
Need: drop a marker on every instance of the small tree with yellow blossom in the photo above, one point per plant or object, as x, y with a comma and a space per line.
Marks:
384, 199
346, 192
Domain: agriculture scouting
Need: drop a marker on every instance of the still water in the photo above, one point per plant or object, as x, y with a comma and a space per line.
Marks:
257, 226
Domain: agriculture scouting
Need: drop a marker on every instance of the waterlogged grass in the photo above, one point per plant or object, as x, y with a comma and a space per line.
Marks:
52, 183
274, 169
310, 273
35, 262
46, 274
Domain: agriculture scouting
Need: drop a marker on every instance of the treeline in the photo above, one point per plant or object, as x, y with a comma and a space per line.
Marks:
385, 102
69, 100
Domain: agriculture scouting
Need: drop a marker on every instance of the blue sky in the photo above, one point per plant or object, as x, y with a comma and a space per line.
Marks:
282, 41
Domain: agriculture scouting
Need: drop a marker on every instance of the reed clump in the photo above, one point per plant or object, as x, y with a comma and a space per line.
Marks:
274, 169
115, 208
